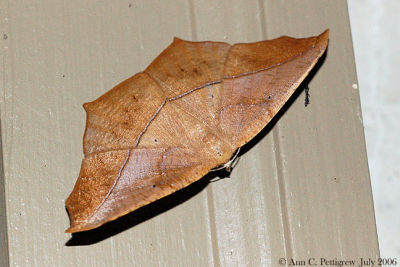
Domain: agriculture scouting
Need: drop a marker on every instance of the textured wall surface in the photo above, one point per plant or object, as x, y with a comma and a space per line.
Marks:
376, 39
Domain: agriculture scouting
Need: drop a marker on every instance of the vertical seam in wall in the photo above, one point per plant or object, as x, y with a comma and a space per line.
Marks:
209, 195
278, 158
192, 21
282, 193
261, 6
10, 127
213, 227
4, 249
100, 46
4, 245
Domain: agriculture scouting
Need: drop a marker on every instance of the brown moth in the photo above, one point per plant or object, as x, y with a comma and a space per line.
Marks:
187, 113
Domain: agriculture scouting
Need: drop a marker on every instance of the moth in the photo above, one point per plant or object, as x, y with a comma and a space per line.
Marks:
184, 115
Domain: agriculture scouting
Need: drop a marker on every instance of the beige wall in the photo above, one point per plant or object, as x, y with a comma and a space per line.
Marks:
301, 190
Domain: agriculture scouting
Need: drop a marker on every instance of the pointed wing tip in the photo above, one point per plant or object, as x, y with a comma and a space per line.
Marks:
71, 229
177, 40
85, 106
75, 225
325, 33
78, 228
323, 38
